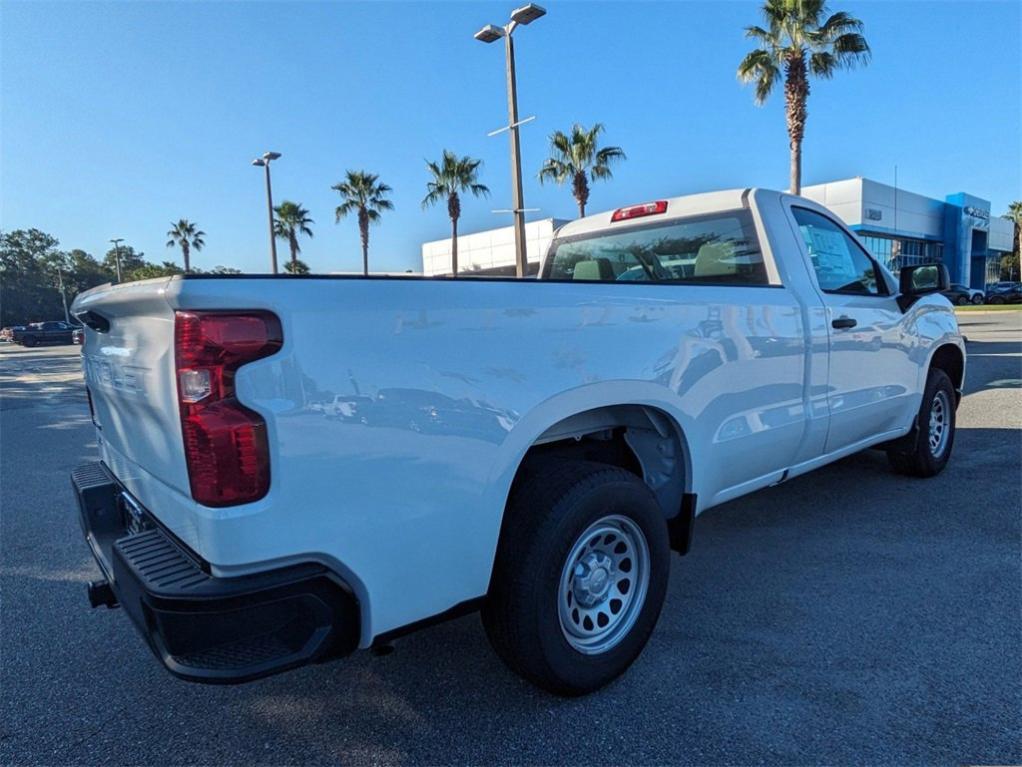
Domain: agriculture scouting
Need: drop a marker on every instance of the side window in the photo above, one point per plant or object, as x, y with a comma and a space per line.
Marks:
841, 265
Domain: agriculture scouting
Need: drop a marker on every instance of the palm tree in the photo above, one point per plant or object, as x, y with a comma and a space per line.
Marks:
296, 267
187, 235
577, 157
452, 176
1014, 215
796, 42
290, 221
362, 193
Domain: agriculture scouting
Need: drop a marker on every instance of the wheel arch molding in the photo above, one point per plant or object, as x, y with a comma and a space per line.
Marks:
603, 418
950, 358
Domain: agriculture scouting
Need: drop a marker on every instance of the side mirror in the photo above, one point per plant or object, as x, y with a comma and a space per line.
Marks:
916, 281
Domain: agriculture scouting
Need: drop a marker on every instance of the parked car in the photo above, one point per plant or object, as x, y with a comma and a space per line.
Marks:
962, 295
1005, 293
37, 333
534, 448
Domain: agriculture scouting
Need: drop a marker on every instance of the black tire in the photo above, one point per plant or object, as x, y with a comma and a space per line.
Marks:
962, 300
977, 299
544, 523
29, 341
995, 300
923, 460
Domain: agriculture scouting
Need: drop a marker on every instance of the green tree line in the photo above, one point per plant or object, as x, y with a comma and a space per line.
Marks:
34, 271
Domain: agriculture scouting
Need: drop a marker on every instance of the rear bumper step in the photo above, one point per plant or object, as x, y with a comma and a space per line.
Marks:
204, 628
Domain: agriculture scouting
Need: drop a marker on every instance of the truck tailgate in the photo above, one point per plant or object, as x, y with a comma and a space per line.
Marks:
129, 369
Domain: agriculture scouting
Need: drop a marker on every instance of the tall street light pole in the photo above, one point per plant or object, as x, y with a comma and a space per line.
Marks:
117, 254
63, 296
517, 197
489, 34
264, 162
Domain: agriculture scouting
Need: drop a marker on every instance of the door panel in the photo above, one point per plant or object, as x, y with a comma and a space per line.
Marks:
871, 376
871, 379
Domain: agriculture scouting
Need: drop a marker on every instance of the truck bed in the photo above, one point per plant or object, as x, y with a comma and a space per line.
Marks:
449, 383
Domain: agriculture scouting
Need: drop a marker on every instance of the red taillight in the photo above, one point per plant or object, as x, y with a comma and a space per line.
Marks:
225, 442
638, 211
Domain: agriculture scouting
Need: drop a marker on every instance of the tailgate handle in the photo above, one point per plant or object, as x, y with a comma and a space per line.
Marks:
97, 322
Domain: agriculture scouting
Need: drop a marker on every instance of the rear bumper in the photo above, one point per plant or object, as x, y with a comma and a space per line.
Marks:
204, 628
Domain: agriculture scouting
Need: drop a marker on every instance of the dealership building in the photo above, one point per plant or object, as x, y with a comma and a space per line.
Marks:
901, 228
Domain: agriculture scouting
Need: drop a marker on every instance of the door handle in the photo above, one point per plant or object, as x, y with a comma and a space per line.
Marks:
842, 323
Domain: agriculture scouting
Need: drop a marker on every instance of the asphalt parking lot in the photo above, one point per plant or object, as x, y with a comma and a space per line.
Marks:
849, 616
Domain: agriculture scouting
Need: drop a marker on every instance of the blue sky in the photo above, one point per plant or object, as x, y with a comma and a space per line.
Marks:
118, 118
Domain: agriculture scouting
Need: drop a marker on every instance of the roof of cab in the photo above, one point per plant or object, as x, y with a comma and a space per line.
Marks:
677, 207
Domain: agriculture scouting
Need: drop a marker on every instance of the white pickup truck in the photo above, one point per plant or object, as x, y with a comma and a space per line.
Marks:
531, 448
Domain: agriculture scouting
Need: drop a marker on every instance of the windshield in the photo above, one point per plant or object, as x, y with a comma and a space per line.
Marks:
715, 248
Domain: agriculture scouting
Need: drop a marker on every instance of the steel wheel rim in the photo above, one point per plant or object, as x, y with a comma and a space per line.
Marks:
940, 425
603, 584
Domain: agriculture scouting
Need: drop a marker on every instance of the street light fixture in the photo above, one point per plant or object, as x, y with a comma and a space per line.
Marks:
117, 254
490, 34
264, 162
527, 13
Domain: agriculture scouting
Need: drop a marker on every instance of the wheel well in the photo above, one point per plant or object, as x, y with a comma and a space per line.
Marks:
643, 440
949, 359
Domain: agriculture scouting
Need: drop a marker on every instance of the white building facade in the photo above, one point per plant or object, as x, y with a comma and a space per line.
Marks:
490, 253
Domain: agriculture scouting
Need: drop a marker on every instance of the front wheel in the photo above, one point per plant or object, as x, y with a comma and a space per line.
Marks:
580, 576
936, 430
962, 300
977, 299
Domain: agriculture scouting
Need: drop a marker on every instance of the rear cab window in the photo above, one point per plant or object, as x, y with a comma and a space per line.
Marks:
718, 248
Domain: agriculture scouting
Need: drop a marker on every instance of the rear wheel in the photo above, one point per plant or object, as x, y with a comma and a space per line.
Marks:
962, 300
936, 430
29, 341
580, 576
